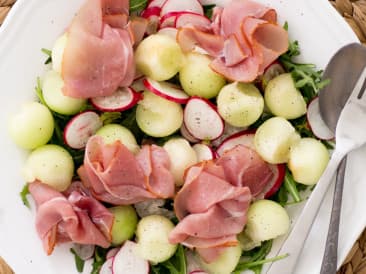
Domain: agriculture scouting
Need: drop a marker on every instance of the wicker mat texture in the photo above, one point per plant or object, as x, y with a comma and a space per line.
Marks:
354, 12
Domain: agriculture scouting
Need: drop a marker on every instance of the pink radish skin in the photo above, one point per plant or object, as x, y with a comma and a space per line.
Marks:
316, 123
80, 128
279, 172
198, 272
245, 137
151, 11
168, 20
126, 261
107, 266
85, 251
185, 133
166, 90
120, 100
190, 18
202, 119
179, 5
204, 152
156, 3
112, 252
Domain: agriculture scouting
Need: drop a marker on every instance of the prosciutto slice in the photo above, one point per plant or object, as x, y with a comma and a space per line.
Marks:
244, 167
98, 56
250, 39
211, 210
115, 175
77, 217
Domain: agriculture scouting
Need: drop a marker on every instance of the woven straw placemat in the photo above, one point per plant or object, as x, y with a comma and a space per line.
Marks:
354, 12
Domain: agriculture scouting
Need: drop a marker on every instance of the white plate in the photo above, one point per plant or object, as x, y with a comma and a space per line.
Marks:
35, 24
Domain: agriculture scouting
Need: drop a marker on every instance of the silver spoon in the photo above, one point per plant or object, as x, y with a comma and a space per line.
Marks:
343, 71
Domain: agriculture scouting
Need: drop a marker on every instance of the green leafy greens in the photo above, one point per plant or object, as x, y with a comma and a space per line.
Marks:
49, 54
23, 195
175, 265
99, 259
78, 261
137, 5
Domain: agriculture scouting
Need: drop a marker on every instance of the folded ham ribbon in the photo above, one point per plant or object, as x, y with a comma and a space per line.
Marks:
115, 175
74, 217
244, 39
212, 205
98, 56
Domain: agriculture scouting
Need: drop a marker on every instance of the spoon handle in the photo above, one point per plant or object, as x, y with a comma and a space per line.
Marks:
329, 264
295, 241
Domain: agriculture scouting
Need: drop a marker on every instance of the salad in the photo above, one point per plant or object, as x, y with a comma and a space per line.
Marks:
168, 136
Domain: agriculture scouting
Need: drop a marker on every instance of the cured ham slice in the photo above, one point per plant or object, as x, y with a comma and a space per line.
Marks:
244, 167
250, 37
211, 210
115, 175
98, 56
77, 217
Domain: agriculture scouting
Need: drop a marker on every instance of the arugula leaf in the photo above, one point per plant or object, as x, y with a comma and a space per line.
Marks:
307, 79
137, 5
49, 54
99, 259
39, 92
208, 10
110, 117
291, 186
23, 195
78, 261
175, 265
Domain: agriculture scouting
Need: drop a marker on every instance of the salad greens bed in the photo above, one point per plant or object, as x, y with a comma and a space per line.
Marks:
307, 79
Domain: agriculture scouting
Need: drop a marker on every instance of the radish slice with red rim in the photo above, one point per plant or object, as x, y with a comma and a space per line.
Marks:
151, 11
168, 20
279, 172
166, 90
202, 119
180, 5
152, 14
138, 85
315, 121
107, 266
198, 272
156, 3
229, 130
245, 137
84, 251
112, 252
188, 136
204, 152
271, 72
120, 100
126, 260
80, 128
191, 18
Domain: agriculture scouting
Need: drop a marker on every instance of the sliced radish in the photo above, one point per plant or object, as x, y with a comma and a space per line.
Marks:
198, 272
152, 14
191, 18
228, 131
122, 99
112, 252
188, 136
180, 5
166, 90
316, 123
204, 152
107, 266
168, 20
126, 261
192, 262
279, 172
219, 3
271, 72
85, 252
80, 128
169, 31
156, 3
245, 138
151, 11
202, 119
138, 85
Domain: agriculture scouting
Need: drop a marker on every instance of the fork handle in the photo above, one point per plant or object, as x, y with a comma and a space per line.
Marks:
295, 241
329, 264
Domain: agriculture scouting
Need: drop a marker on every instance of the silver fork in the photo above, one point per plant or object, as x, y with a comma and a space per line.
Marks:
350, 135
